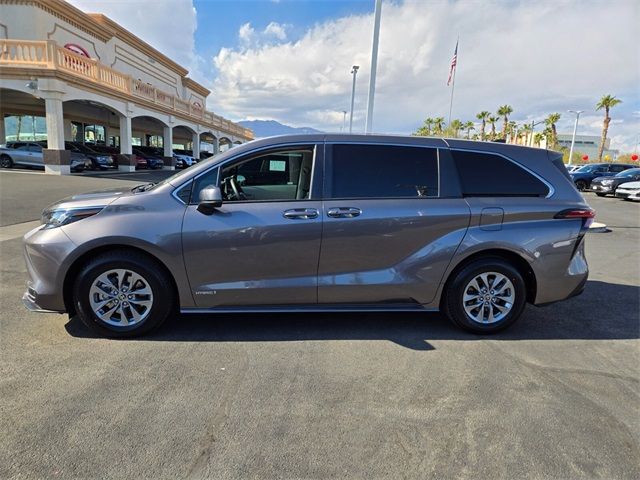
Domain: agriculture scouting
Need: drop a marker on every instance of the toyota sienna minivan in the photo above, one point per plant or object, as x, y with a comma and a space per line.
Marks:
328, 223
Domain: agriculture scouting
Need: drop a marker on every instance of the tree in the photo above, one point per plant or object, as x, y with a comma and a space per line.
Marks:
511, 130
551, 121
526, 131
455, 126
483, 116
438, 125
425, 129
607, 102
504, 111
468, 126
492, 121
537, 138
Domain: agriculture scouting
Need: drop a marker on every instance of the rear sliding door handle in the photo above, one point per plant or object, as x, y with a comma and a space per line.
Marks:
344, 212
301, 213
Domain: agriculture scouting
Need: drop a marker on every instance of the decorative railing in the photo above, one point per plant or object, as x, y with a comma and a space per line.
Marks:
47, 54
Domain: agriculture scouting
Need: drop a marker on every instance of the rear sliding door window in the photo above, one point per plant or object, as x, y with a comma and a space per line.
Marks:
382, 171
488, 175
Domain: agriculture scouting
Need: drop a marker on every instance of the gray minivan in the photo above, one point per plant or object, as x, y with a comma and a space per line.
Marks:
320, 223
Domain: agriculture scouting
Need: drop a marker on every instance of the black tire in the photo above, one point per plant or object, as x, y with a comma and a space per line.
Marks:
581, 185
601, 194
164, 298
453, 295
5, 161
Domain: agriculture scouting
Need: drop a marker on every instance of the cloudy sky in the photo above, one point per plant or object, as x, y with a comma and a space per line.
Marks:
289, 60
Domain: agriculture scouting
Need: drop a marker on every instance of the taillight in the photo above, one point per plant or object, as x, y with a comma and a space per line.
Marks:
586, 214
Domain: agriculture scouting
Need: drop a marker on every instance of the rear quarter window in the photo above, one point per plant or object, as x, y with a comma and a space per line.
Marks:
490, 175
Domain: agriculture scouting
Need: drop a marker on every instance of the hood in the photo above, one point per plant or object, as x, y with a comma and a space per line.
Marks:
91, 199
631, 185
601, 178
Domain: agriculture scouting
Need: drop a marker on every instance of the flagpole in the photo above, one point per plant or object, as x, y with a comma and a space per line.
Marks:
453, 80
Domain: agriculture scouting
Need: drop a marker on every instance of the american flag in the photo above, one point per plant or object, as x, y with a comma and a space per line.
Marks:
454, 62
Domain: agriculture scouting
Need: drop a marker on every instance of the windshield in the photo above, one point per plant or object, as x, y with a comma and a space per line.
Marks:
585, 168
629, 173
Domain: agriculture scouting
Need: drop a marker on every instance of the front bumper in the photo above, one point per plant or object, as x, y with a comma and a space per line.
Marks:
46, 252
598, 188
29, 301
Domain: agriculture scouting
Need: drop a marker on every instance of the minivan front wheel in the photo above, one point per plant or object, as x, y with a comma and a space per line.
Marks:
122, 294
485, 296
581, 185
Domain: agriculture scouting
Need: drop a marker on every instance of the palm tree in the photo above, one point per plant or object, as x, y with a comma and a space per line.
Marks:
425, 129
455, 127
537, 138
551, 121
526, 131
483, 116
492, 121
606, 102
438, 125
511, 129
468, 126
504, 111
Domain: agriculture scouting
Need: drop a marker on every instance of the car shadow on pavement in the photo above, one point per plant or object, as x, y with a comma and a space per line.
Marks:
604, 311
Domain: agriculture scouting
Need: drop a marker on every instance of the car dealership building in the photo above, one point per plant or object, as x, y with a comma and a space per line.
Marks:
89, 78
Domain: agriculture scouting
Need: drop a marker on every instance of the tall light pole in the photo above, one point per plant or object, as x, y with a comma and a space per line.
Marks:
374, 67
344, 120
575, 129
533, 126
354, 72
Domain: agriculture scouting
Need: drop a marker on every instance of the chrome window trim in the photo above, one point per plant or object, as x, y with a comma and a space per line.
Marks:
552, 190
250, 152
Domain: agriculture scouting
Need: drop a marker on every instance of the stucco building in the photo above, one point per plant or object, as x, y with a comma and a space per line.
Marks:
80, 70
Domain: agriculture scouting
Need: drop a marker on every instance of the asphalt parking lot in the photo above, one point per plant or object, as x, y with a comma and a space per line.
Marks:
323, 396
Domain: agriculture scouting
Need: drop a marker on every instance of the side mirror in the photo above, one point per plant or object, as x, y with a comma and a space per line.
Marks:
210, 199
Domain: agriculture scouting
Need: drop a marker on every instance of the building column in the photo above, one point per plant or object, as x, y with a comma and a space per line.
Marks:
68, 135
216, 146
196, 145
56, 159
126, 160
3, 133
167, 142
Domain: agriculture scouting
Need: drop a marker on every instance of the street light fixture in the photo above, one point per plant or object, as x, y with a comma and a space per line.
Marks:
354, 72
575, 129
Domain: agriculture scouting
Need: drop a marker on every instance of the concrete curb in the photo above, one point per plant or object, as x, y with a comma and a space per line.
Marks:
598, 228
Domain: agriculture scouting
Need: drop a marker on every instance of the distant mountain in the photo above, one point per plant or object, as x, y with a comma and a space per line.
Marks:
269, 128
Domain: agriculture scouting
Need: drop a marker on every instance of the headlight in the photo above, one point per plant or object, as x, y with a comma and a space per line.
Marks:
607, 182
64, 216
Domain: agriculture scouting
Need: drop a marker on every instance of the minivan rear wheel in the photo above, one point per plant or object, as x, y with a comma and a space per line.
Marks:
485, 296
122, 294
581, 185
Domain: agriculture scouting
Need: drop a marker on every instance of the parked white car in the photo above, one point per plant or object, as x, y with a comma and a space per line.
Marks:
629, 191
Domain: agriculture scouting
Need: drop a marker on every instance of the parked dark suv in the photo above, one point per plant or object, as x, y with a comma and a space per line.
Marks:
583, 176
313, 222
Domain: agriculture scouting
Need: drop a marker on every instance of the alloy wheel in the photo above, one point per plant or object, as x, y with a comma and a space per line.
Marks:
121, 297
488, 298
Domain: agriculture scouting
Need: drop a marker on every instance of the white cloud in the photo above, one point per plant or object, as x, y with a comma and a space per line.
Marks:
276, 30
538, 57
246, 33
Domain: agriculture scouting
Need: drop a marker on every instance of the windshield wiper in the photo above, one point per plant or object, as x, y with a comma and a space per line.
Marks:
142, 188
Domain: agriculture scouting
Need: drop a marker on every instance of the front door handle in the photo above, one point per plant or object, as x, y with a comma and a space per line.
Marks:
301, 213
344, 212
